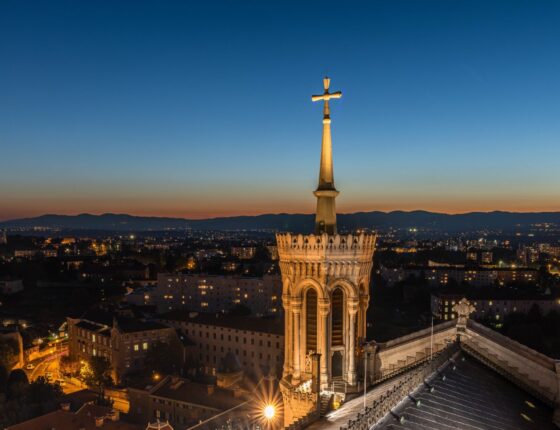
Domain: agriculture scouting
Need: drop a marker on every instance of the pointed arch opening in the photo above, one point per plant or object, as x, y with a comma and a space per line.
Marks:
337, 319
311, 320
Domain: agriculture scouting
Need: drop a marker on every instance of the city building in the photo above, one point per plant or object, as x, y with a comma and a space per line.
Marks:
10, 286
35, 253
272, 251
124, 341
180, 402
476, 276
257, 343
243, 252
88, 417
487, 257
491, 304
207, 293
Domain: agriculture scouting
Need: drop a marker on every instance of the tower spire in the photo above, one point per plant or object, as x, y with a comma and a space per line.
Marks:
325, 215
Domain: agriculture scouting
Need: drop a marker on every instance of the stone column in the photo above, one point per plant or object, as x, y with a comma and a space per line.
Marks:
287, 335
324, 310
296, 344
362, 322
371, 350
352, 311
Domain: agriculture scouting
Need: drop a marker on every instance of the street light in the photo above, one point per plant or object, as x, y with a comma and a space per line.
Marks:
269, 412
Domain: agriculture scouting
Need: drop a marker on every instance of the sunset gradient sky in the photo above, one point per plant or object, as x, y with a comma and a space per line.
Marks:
200, 109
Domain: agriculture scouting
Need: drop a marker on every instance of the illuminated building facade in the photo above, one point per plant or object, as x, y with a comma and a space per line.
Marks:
256, 343
122, 341
205, 293
325, 294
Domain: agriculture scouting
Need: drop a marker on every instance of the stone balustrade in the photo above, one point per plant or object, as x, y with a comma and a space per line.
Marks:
397, 355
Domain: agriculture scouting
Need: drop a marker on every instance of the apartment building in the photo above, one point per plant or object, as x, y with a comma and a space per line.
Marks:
124, 341
257, 343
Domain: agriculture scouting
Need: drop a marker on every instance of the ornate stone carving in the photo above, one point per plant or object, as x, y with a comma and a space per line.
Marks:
463, 308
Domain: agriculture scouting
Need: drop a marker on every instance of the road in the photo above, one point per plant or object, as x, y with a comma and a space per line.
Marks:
51, 363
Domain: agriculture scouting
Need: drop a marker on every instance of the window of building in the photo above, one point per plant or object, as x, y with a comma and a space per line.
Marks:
136, 347
145, 346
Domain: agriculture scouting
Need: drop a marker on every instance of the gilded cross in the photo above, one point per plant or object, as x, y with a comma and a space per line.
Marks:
326, 96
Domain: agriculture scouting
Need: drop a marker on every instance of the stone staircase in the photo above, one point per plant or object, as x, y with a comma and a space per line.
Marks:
325, 403
338, 385
304, 421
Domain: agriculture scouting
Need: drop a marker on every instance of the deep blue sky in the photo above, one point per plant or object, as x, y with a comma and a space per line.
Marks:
203, 108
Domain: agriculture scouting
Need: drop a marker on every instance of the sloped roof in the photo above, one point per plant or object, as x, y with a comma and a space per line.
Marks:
249, 323
84, 418
472, 396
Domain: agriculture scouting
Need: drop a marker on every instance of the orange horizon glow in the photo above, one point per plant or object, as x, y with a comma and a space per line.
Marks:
207, 211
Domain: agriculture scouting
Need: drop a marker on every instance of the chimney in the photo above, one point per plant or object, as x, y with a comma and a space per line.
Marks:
99, 421
65, 406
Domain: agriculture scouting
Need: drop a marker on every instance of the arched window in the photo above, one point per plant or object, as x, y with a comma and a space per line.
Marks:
311, 320
337, 317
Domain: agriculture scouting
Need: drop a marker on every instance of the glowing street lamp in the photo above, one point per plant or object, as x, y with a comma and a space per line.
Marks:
269, 412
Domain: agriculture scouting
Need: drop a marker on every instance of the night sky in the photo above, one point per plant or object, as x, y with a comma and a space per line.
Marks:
200, 109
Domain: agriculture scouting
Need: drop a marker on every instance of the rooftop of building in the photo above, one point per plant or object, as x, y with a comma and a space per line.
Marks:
126, 323
214, 276
84, 418
209, 396
490, 293
271, 325
467, 268
472, 397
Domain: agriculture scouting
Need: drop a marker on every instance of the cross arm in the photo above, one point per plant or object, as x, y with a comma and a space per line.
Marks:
327, 96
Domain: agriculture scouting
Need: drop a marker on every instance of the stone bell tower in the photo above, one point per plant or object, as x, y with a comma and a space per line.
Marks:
325, 279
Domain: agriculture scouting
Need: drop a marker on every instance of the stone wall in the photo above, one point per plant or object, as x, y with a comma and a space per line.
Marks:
298, 404
403, 352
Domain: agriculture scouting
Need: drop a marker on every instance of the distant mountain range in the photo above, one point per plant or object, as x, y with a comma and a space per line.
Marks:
437, 222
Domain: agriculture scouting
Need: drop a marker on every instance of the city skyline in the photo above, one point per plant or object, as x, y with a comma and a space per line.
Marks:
178, 110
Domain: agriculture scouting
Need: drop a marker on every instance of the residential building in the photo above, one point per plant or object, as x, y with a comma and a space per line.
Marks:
490, 303
486, 257
181, 402
124, 341
474, 276
257, 343
205, 293
243, 252
88, 417
10, 286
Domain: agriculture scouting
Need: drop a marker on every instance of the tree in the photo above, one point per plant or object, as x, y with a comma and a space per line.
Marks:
8, 353
97, 373
42, 395
3, 378
17, 384
69, 365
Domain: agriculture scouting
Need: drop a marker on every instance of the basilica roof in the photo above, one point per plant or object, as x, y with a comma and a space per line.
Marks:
471, 397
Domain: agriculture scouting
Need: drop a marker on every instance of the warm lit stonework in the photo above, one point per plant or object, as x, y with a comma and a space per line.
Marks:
325, 295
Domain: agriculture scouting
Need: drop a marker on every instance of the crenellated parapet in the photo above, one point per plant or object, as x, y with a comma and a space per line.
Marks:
326, 244
325, 259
